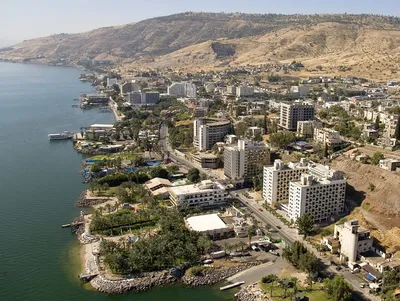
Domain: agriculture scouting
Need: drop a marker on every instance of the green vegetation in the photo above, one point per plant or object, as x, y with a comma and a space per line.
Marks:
391, 280
173, 245
158, 172
376, 158
132, 193
114, 223
281, 139
298, 255
371, 187
305, 224
181, 136
338, 289
273, 78
193, 175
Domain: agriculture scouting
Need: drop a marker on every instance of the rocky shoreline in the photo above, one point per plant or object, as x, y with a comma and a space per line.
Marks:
84, 201
251, 292
215, 275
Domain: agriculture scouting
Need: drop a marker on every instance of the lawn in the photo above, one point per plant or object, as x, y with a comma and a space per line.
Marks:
316, 294
108, 193
109, 157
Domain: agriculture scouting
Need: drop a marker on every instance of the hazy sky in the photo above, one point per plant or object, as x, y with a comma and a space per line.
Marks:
24, 19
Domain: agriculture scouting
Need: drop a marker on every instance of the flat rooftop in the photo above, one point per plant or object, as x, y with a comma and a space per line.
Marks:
203, 186
206, 222
100, 125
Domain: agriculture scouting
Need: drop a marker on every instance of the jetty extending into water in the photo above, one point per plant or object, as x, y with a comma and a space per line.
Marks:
226, 287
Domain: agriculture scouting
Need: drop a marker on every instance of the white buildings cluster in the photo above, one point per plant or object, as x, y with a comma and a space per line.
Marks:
138, 98
293, 112
306, 188
327, 137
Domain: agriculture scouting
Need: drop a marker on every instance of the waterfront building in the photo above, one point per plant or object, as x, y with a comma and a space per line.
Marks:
138, 98
208, 131
182, 89
204, 194
246, 160
277, 177
326, 136
209, 224
320, 192
291, 113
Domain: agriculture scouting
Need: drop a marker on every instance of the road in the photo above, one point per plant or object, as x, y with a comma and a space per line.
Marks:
288, 234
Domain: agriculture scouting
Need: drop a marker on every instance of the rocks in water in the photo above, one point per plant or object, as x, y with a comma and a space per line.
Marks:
214, 275
84, 201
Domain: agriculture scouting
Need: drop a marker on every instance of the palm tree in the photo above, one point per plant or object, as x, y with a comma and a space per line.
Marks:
295, 280
101, 208
250, 233
309, 280
108, 207
242, 244
273, 278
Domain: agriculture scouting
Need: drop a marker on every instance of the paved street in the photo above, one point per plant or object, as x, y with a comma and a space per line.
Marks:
288, 234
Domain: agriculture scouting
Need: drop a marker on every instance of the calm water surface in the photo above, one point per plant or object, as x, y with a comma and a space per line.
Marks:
39, 183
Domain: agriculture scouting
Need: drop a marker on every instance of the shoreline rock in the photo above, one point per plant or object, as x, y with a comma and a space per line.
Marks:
251, 292
84, 201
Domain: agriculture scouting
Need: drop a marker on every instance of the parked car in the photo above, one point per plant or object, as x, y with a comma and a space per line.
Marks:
260, 209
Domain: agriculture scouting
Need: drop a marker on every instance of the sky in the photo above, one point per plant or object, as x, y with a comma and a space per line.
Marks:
26, 19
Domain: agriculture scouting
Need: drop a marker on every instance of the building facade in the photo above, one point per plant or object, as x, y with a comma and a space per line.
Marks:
246, 160
243, 91
129, 87
276, 180
182, 89
306, 128
320, 193
291, 113
203, 194
353, 240
207, 132
326, 136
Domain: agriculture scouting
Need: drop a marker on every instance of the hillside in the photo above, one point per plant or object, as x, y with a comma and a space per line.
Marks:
210, 40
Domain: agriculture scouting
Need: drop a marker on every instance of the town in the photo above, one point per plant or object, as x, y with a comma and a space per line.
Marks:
284, 185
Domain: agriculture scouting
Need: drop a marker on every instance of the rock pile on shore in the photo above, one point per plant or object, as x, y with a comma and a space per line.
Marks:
85, 238
84, 201
214, 275
251, 293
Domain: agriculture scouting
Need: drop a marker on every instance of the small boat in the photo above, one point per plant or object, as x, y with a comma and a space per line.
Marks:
61, 136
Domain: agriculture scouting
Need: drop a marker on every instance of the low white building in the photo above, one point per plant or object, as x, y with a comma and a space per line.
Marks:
209, 224
204, 194
389, 164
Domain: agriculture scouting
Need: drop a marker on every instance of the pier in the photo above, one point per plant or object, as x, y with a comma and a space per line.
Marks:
73, 225
231, 285
87, 277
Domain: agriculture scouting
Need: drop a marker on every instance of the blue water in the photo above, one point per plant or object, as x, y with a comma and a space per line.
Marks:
39, 184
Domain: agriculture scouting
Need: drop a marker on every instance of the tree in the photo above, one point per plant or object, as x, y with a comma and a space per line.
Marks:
310, 280
108, 207
377, 122
158, 172
251, 231
204, 243
305, 223
338, 289
281, 139
376, 158
397, 131
241, 129
193, 175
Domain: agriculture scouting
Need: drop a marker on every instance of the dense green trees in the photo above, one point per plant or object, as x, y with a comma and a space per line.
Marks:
298, 255
193, 175
338, 289
376, 157
173, 245
131, 193
158, 172
181, 136
281, 139
305, 224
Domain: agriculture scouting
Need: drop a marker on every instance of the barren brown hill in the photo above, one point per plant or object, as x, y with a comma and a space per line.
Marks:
367, 44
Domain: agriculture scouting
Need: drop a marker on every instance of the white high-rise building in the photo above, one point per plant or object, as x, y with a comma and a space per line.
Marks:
292, 112
320, 193
277, 178
182, 89
208, 131
306, 128
242, 91
246, 160
138, 98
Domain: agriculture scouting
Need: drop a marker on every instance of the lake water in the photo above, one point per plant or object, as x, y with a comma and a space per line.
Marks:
39, 184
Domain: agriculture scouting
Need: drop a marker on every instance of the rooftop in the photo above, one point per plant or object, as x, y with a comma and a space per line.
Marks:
206, 222
157, 181
203, 186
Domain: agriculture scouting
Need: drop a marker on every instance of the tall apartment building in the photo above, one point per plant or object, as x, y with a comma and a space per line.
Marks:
112, 81
353, 240
320, 193
246, 160
203, 194
277, 178
182, 89
138, 98
326, 136
292, 112
242, 91
207, 132
231, 90
129, 87
306, 128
